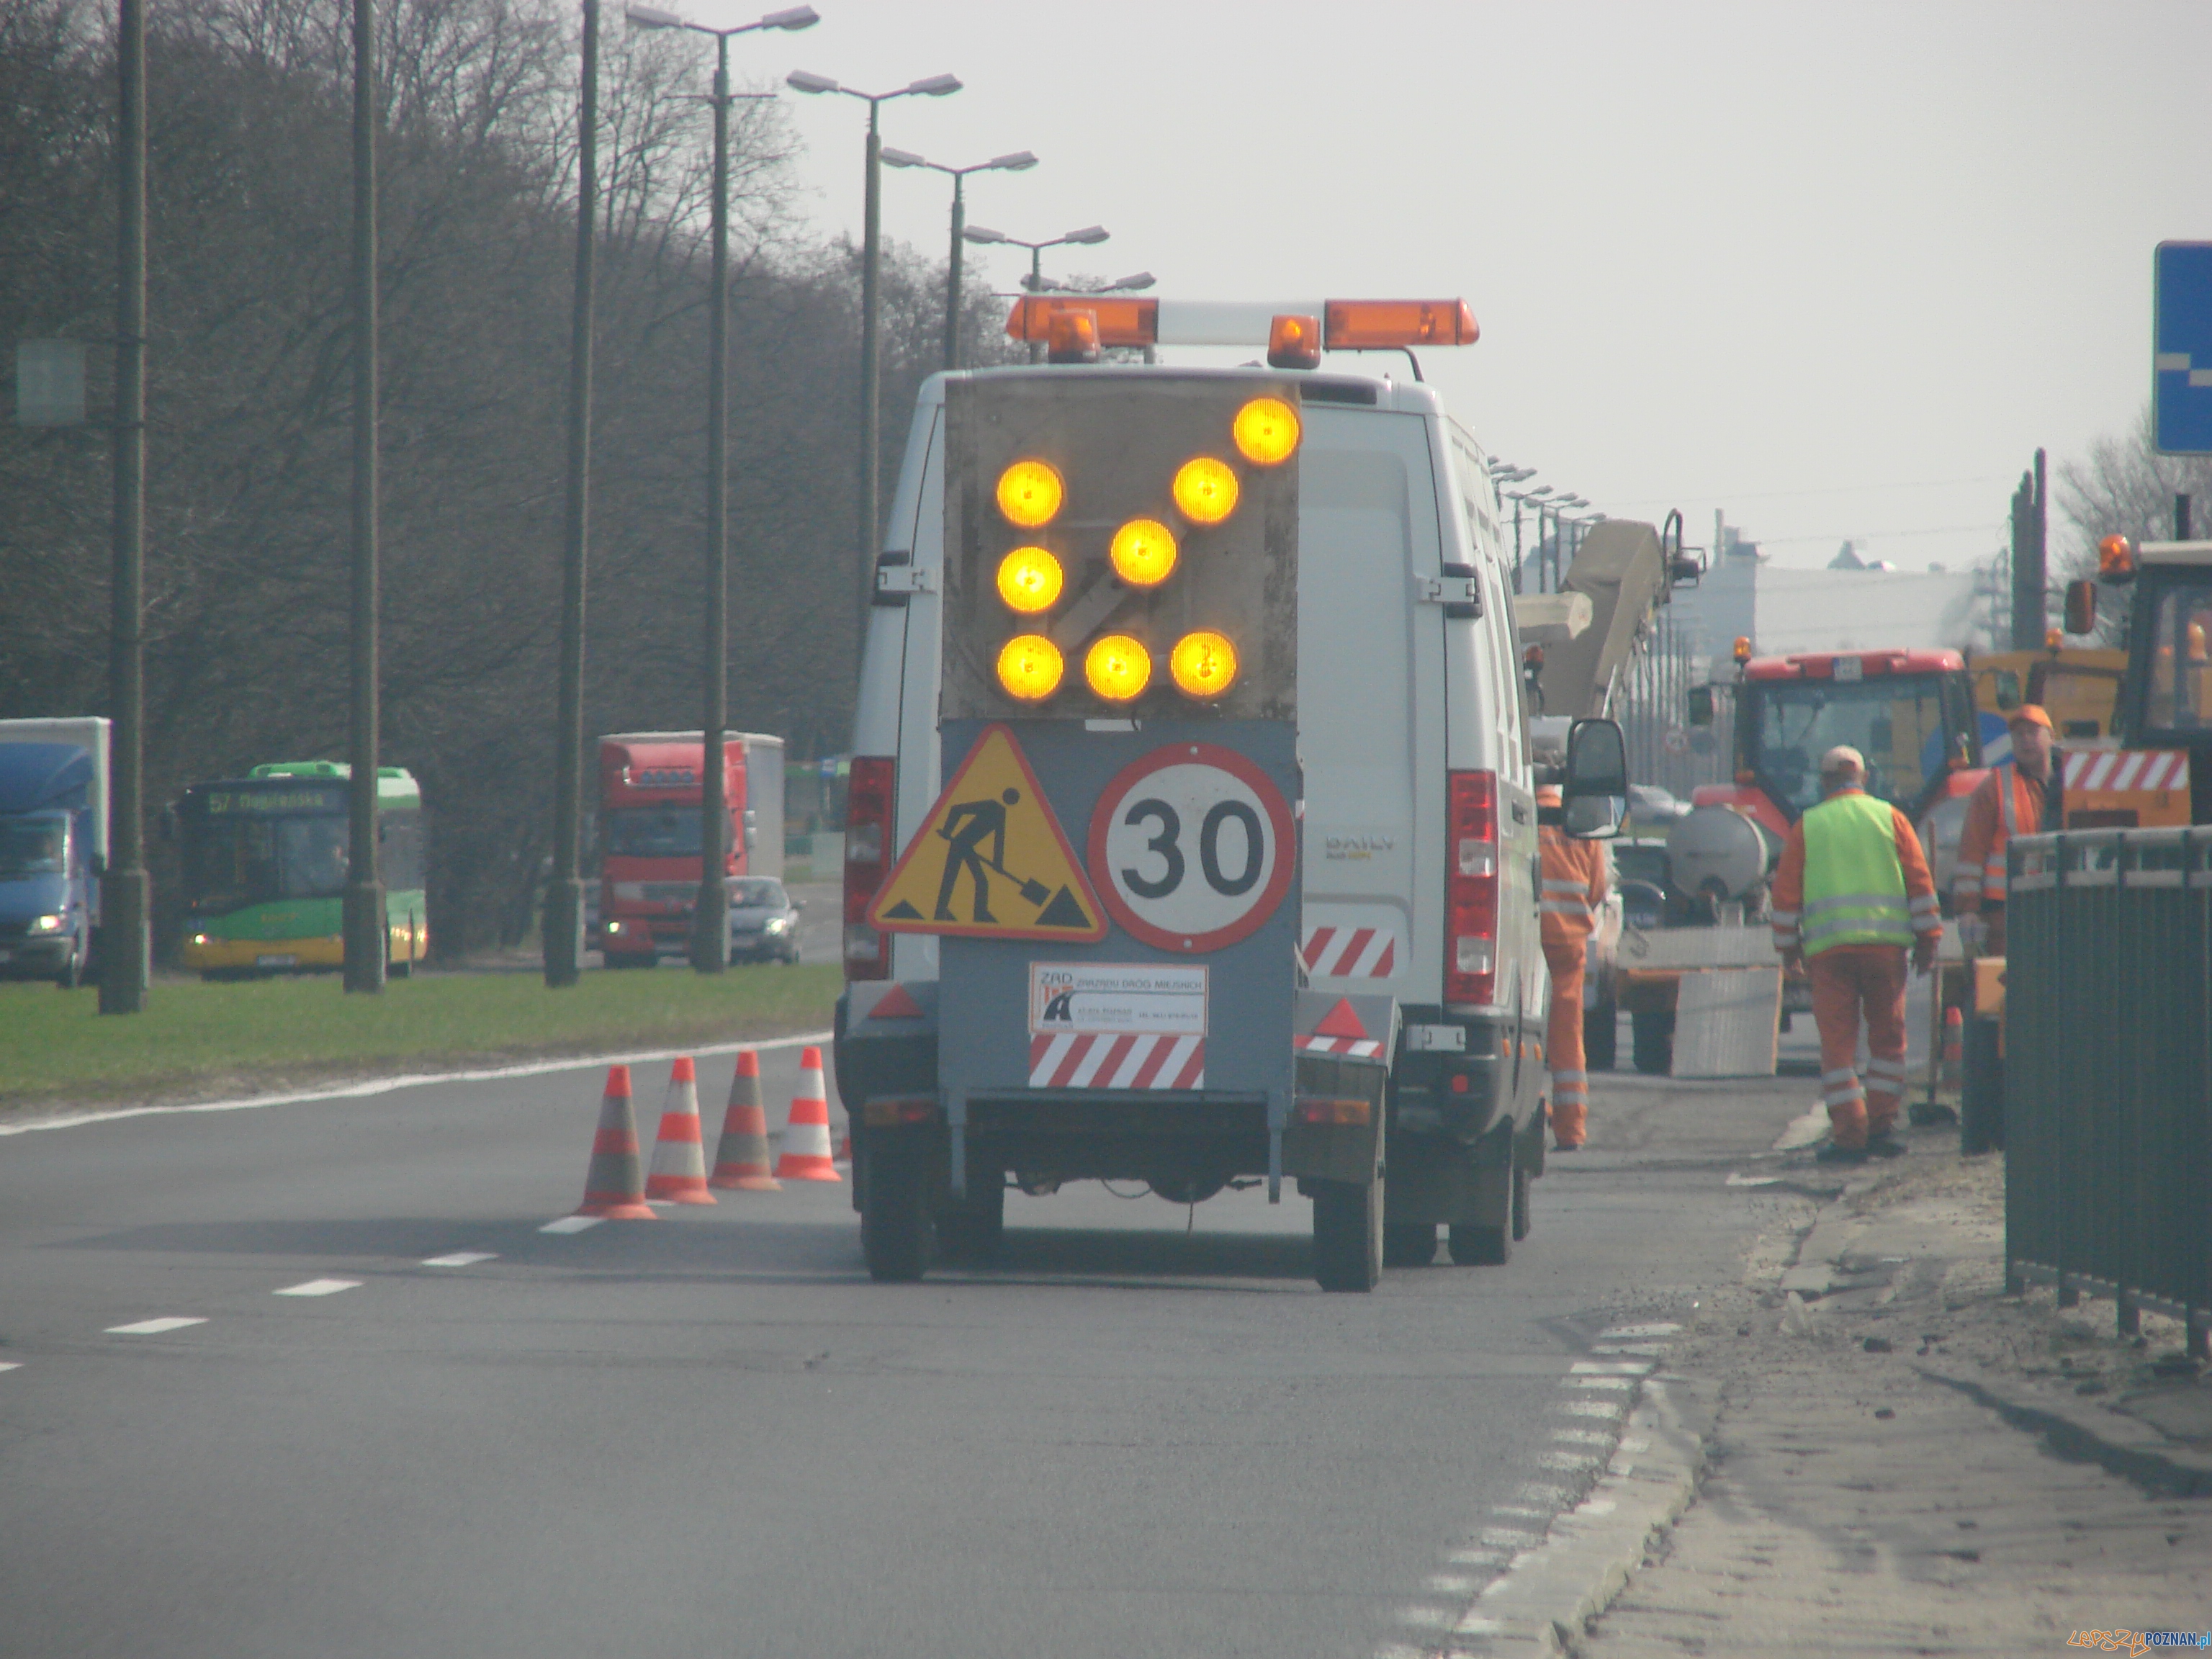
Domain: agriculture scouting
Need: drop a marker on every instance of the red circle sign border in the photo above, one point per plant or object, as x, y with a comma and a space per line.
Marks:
1279, 819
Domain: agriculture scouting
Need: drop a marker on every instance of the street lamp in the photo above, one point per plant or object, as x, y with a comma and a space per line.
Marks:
1034, 284
936, 86
710, 910
1020, 161
1142, 279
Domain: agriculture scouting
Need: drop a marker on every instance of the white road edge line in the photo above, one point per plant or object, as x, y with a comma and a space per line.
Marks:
460, 1259
152, 1327
572, 1224
11, 1365
411, 1080
319, 1287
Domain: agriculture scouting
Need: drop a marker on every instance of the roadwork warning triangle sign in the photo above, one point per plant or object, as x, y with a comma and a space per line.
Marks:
991, 862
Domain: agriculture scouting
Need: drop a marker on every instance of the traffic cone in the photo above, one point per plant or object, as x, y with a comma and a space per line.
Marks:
741, 1161
679, 1161
612, 1189
806, 1136
1954, 1046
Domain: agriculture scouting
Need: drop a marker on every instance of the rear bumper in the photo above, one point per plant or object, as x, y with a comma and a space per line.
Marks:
211, 954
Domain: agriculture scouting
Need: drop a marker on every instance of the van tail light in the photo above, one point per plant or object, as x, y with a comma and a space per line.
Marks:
1471, 889
868, 849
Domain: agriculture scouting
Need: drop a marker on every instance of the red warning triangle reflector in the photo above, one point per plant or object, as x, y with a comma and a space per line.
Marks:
897, 1004
1340, 1022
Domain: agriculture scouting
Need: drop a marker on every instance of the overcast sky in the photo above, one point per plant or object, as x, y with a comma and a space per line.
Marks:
1838, 269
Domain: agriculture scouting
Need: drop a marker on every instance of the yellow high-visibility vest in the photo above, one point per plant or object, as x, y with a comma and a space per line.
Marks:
1854, 882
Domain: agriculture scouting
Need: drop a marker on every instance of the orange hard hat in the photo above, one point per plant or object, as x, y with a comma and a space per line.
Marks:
2031, 713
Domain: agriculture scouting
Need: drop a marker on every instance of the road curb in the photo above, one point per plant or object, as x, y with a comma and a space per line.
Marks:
2126, 1446
1546, 1598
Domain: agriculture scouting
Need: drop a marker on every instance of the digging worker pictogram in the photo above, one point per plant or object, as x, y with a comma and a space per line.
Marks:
2008, 802
968, 826
1852, 894
1576, 883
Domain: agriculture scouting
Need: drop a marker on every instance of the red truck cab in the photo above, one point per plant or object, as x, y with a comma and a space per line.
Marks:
649, 840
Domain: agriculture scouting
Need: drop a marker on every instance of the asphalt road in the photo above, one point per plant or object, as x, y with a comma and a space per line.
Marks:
712, 1433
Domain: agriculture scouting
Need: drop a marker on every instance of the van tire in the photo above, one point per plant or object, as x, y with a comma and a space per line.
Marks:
1601, 1037
1408, 1244
1347, 1227
893, 1219
1653, 1035
72, 972
975, 1228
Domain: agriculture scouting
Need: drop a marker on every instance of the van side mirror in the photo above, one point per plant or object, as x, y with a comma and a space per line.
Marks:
2082, 607
1701, 705
1596, 788
2007, 684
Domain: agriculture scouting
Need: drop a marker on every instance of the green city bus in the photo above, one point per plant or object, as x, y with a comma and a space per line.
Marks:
265, 858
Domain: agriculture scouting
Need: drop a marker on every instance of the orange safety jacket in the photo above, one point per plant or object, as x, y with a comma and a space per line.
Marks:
1787, 898
2005, 803
1576, 885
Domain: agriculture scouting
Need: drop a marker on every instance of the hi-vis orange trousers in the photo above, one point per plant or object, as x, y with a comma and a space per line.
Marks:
1563, 1044
1845, 979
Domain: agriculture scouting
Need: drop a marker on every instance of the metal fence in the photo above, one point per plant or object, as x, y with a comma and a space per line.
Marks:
2108, 1070
1652, 704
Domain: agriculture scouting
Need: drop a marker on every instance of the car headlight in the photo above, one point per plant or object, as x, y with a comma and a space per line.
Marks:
777, 925
45, 924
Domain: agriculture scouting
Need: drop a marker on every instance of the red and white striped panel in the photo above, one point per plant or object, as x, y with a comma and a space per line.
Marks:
1351, 952
1354, 1047
2127, 768
1067, 1060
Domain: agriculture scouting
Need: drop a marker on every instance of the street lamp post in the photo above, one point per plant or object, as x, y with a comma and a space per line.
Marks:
936, 86
1018, 162
564, 892
367, 929
710, 910
123, 974
1036, 283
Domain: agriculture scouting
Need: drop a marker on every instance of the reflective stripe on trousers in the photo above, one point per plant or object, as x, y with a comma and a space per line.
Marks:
1569, 1078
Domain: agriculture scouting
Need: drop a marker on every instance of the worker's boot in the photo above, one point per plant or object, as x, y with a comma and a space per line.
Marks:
1883, 1143
1832, 1153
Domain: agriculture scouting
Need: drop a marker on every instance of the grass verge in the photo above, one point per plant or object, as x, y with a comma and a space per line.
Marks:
197, 1041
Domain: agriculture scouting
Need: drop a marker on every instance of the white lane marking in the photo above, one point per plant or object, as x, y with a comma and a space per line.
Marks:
152, 1327
1803, 1131
1609, 1409
319, 1287
1623, 1383
1610, 1367
1473, 1624
1520, 1512
1449, 1584
1581, 1437
1510, 1538
1596, 1506
410, 1080
1650, 1349
1735, 1180
1427, 1618
11, 1365
572, 1224
460, 1259
1630, 1333
1567, 1463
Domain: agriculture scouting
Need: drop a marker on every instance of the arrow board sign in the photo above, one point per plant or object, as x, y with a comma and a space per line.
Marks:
991, 860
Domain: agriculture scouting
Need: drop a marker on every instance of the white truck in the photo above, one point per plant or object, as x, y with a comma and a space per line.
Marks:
1192, 826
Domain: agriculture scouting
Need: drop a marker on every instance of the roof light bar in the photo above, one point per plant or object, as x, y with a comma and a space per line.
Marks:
1348, 325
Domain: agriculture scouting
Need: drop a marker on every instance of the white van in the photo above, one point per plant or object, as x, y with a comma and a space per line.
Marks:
1412, 921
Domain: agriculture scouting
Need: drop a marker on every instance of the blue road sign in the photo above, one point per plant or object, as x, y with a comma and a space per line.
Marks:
2181, 377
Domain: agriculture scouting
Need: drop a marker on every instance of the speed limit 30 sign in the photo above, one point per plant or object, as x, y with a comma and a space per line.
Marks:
1192, 848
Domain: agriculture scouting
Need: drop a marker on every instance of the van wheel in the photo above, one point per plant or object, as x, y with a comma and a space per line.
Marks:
894, 1221
1347, 1225
1600, 1037
72, 972
1408, 1244
973, 1230
1653, 1036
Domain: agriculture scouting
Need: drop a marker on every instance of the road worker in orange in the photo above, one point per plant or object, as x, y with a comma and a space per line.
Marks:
1852, 894
2009, 802
1577, 880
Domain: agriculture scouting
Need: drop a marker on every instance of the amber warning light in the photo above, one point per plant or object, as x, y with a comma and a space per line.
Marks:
1294, 333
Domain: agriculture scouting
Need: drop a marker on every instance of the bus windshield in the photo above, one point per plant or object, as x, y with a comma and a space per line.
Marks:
231, 862
34, 847
1895, 721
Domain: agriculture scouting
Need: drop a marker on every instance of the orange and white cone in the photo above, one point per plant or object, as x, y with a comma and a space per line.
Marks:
612, 1189
806, 1136
1954, 1046
741, 1160
679, 1159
